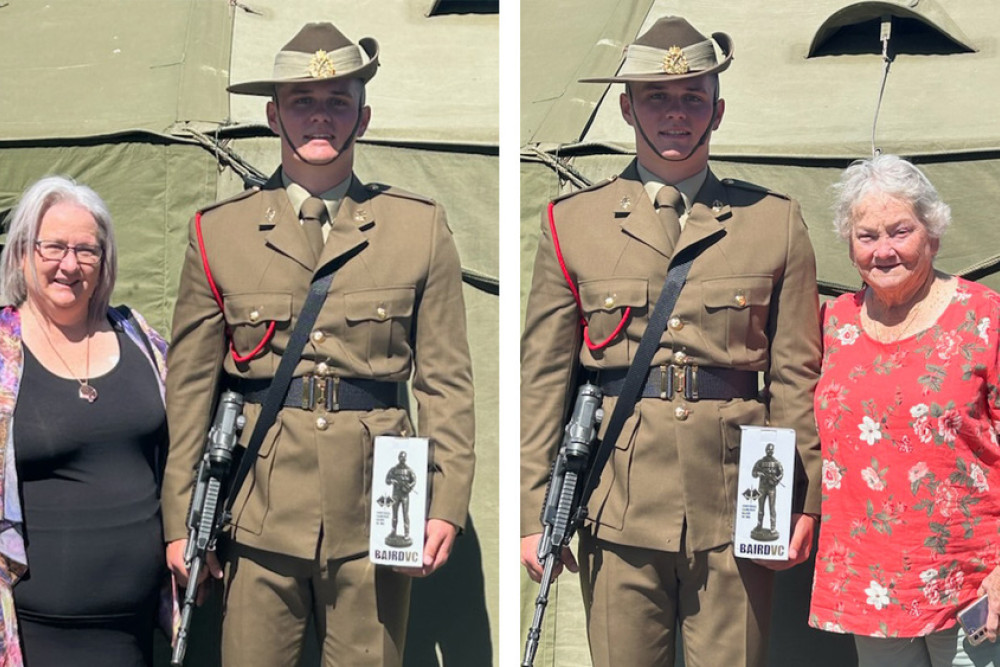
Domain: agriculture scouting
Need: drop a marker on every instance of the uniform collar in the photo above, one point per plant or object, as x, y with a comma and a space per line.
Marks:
352, 220
707, 212
688, 188
297, 194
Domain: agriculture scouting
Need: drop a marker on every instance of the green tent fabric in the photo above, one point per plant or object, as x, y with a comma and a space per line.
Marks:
792, 123
129, 97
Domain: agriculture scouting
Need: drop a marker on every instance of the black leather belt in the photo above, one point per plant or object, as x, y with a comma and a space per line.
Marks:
694, 382
332, 393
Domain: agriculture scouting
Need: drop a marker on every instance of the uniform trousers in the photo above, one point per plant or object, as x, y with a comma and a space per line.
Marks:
946, 648
636, 599
359, 609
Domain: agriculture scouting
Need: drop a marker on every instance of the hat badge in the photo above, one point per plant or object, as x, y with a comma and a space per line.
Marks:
675, 62
321, 67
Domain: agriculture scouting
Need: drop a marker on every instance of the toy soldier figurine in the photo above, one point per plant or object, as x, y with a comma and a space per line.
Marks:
403, 480
769, 471
297, 551
656, 553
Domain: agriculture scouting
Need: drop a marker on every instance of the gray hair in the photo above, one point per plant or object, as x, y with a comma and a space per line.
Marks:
893, 176
23, 233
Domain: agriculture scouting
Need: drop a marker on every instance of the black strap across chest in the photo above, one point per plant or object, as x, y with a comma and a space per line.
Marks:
635, 378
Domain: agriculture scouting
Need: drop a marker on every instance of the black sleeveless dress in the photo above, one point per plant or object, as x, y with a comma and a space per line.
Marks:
91, 514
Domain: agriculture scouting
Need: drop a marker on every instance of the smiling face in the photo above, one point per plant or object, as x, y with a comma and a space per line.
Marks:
673, 116
891, 247
61, 290
316, 121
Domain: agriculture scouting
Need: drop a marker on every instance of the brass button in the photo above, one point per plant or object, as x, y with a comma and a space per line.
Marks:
254, 315
381, 312
740, 299
681, 413
322, 369
680, 358
675, 324
318, 336
609, 302
321, 423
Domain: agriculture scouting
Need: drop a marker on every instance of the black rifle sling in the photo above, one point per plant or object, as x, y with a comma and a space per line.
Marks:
283, 376
635, 377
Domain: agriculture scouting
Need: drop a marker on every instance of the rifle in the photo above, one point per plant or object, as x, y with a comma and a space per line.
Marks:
206, 516
563, 511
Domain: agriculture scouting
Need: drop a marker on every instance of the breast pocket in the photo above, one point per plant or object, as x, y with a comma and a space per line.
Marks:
250, 314
735, 316
378, 328
605, 301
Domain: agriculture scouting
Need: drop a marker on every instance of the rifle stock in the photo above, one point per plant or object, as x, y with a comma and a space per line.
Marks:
563, 511
206, 516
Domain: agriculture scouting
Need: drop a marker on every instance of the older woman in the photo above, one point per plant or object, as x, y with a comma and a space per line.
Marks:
82, 422
907, 408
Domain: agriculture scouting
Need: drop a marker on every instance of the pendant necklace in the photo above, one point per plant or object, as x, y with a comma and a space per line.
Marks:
87, 391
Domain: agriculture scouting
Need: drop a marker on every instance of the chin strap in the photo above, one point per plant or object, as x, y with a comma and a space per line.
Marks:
642, 131
347, 143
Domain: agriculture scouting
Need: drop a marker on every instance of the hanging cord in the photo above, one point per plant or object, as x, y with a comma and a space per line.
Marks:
884, 35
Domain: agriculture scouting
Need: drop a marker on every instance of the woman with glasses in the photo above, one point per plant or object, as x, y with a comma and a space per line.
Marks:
82, 429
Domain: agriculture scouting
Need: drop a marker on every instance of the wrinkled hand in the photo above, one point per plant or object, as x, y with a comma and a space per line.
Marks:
529, 558
439, 538
800, 546
991, 587
175, 561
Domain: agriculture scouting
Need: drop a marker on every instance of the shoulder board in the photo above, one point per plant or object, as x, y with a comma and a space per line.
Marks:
753, 187
238, 196
594, 186
383, 189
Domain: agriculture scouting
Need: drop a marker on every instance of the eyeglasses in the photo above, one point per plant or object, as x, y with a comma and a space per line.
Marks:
55, 251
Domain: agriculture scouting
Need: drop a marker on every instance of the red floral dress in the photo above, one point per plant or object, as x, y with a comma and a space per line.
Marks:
911, 468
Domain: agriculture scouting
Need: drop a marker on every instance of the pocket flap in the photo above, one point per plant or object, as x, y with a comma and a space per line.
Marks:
379, 304
257, 308
610, 294
737, 292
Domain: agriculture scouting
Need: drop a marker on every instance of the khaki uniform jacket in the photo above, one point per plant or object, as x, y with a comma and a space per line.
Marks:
750, 303
394, 311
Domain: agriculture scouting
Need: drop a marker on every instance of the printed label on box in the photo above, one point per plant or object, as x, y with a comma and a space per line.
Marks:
764, 499
399, 501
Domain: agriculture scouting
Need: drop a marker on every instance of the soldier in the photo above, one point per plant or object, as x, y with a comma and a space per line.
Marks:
657, 551
394, 312
769, 472
403, 480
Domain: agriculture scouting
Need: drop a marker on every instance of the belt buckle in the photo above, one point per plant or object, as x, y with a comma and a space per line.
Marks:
334, 397
319, 390
307, 392
691, 382
680, 379
666, 382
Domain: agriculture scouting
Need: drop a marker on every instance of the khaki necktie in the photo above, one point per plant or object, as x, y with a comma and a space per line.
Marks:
313, 214
668, 202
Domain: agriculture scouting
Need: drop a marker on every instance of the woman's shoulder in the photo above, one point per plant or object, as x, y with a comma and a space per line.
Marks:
845, 304
135, 325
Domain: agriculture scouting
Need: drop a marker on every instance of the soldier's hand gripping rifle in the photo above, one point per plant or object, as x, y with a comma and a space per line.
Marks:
563, 512
206, 516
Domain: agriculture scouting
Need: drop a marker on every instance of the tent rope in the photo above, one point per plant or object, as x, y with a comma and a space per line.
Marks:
884, 35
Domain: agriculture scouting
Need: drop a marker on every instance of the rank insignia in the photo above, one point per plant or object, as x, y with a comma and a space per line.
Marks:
321, 67
675, 62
